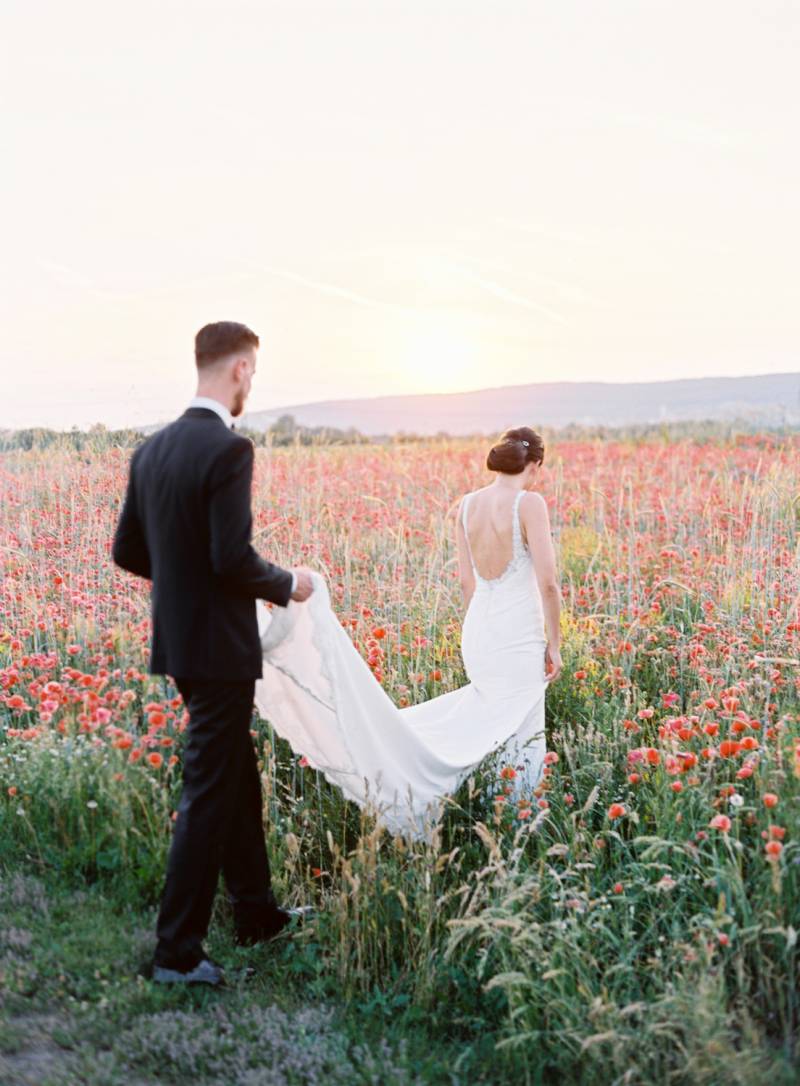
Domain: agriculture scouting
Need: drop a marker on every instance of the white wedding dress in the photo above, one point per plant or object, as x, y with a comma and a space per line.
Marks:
320, 695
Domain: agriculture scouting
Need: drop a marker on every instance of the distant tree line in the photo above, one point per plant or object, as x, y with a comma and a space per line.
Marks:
97, 437
285, 431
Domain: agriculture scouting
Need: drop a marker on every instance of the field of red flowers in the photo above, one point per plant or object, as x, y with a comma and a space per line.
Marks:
649, 891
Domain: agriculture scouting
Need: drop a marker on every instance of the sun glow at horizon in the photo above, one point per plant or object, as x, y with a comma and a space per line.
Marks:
438, 357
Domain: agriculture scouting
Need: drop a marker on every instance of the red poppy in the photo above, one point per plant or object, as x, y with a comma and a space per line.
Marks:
729, 747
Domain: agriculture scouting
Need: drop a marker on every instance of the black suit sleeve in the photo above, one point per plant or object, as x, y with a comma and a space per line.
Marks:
233, 559
130, 546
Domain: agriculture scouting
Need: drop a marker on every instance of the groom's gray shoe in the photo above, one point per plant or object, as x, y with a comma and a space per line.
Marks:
205, 972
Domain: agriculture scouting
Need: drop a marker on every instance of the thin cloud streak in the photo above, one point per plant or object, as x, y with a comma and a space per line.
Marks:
684, 129
333, 290
568, 290
510, 296
66, 276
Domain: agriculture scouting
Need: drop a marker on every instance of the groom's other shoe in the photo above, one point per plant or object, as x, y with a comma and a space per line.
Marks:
205, 972
249, 931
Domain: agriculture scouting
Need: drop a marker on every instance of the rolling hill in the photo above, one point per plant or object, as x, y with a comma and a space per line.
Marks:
769, 400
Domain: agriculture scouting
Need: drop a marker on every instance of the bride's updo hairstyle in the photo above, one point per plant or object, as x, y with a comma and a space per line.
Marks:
516, 449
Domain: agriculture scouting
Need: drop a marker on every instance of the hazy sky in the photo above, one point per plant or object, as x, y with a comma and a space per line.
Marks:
397, 196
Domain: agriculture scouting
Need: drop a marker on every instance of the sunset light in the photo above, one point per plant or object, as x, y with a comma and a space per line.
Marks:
398, 197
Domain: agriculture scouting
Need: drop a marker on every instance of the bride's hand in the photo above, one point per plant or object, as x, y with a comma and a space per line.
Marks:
552, 664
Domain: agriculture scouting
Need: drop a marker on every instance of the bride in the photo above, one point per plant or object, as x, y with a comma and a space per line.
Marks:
319, 694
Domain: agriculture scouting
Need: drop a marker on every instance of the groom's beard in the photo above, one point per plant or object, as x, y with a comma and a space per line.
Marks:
238, 404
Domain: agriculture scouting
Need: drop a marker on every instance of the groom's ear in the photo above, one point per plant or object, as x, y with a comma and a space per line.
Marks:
245, 363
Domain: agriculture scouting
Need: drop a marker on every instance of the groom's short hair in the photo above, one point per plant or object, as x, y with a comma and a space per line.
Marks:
218, 340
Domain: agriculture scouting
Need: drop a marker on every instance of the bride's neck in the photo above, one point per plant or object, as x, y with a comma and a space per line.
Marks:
508, 483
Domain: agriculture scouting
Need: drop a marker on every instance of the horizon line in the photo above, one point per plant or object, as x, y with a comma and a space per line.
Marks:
285, 408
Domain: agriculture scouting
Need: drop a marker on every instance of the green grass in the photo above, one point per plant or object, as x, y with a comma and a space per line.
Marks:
75, 992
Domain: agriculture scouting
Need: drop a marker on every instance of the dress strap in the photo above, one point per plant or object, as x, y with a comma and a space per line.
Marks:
516, 528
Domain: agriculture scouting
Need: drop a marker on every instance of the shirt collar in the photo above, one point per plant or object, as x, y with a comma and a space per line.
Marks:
215, 406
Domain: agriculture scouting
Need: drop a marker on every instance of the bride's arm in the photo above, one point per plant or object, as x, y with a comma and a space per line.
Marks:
536, 521
465, 574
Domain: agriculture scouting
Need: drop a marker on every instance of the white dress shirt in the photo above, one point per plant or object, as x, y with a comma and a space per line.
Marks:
214, 405
220, 409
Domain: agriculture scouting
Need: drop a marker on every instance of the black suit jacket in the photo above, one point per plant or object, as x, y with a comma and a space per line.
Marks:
186, 525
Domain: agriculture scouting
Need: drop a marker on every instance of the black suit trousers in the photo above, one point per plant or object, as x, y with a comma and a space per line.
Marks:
219, 825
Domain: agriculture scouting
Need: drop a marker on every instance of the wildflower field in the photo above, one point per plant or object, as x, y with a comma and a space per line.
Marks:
633, 921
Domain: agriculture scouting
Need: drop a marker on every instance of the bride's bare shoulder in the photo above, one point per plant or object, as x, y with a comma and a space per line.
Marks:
533, 504
470, 494
474, 493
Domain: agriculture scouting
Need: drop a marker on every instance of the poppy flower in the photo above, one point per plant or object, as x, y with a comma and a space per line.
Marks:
729, 747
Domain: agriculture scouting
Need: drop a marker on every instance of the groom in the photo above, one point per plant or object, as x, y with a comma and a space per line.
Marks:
186, 525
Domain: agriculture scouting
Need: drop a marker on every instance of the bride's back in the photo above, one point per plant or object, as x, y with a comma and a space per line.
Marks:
490, 529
